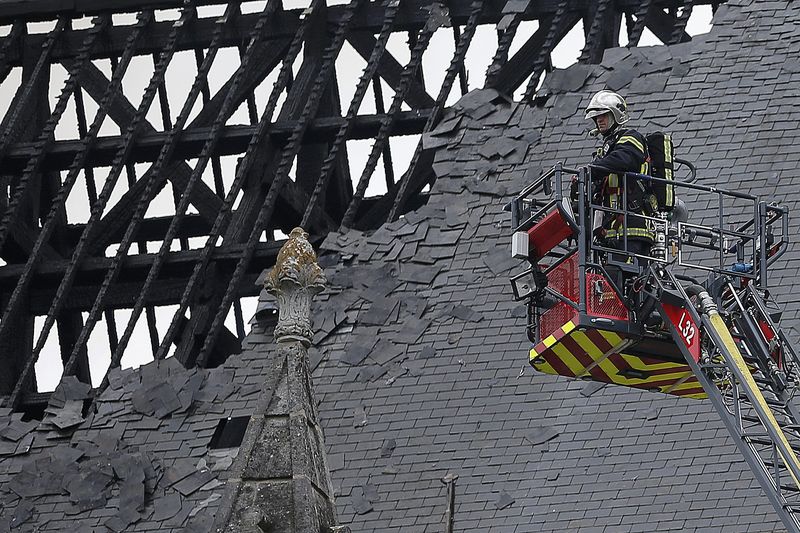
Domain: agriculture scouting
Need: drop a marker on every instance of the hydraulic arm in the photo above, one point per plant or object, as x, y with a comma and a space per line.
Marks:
749, 372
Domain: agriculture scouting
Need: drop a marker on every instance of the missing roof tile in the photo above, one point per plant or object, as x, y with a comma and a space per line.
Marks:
229, 433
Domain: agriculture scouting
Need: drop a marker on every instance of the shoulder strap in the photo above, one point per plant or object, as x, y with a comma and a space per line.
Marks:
635, 138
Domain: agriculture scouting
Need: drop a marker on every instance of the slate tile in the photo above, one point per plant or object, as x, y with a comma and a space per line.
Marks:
336, 461
500, 262
503, 500
423, 257
359, 417
568, 80
17, 429
620, 79
447, 126
540, 435
192, 483
383, 310
681, 70
431, 141
68, 416
462, 312
653, 83
23, 512
411, 330
70, 389
566, 105
178, 471
614, 56
390, 469
358, 351
370, 373
361, 505
516, 6
427, 352
437, 237
418, 273
387, 449
652, 413
413, 305
591, 388
123, 520
408, 252
385, 351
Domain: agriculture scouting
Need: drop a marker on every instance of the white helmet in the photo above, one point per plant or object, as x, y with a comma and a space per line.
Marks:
608, 101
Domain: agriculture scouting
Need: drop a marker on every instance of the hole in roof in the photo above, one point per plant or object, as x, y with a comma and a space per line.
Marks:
229, 433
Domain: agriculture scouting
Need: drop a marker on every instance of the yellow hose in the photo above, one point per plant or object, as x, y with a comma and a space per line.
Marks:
752, 389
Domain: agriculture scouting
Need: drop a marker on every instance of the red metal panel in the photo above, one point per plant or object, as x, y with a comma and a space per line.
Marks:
686, 328
602, 300
563, 279
548, 233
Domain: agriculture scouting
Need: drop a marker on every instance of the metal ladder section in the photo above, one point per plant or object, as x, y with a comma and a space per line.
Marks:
749, 371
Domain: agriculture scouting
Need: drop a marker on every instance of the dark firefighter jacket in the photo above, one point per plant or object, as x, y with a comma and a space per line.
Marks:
624, 150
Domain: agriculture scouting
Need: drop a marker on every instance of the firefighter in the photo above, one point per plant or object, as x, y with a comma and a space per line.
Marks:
623, 150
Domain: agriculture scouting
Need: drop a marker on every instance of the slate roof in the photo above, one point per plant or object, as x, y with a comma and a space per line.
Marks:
421, 360
140, 463
533, 452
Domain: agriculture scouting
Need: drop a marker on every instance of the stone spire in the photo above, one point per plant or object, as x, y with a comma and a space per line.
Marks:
280, 481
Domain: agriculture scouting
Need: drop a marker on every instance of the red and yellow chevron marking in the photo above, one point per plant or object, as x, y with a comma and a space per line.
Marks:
570, 351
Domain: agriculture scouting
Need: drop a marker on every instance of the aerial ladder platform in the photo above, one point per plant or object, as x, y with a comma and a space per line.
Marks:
694, 317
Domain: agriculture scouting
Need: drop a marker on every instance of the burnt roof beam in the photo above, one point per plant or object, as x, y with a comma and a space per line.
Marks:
601, 28
24, 238
204, 199
233, 141
121, 111
177, 267
514, 72
260, 177
663, 25
413, 15
390, 71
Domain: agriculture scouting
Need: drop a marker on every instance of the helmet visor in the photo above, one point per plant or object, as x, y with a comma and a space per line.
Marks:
593, 112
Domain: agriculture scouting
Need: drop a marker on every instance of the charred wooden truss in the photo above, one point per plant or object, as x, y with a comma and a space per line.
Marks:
293, 166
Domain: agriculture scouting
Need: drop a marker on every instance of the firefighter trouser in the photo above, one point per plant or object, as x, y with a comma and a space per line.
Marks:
635, 246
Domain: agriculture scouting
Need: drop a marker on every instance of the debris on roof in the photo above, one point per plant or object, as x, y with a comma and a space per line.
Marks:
419, 343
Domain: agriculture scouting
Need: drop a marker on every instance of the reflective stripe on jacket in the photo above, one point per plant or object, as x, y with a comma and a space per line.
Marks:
625, 151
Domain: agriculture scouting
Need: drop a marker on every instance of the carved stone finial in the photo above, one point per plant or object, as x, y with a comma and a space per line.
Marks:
294, 280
